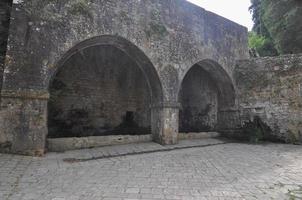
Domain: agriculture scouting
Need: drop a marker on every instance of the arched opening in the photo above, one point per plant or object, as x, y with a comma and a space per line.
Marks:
206, 91
103, 86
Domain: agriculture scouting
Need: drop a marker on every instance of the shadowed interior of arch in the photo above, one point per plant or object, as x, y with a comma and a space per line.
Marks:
205, 91
99, 91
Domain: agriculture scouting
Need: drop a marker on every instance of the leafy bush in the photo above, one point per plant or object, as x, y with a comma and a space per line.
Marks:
262, 45
293, 138
257, 131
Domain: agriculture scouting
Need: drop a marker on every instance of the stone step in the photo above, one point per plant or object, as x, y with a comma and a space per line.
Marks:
65, 144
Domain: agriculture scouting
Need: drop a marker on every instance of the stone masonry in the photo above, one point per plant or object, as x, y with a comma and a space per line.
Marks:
221, 172
271, 88
90, 67
164, 39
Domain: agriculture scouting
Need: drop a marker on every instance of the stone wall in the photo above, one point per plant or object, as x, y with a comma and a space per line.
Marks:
174, 35
271, 88
94, 92
164, 38
5, 6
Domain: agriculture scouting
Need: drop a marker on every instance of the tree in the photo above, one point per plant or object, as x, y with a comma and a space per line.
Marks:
280, 23
260, 39
283, 21
263, 45
255, 9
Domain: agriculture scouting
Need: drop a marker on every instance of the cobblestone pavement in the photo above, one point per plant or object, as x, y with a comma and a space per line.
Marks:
222, 171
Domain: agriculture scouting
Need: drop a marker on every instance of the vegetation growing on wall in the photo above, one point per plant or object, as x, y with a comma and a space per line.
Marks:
156, 28
257, 131
80, 7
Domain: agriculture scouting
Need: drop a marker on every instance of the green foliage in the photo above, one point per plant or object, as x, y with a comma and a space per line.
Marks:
295, 194
156, 29
279, 22
80, 7
293, 138
257, 130
260, 39
256, 41
283, 21
253, 132
264, 46
255, 9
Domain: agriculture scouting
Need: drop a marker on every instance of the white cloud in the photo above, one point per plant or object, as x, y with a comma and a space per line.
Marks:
235, 10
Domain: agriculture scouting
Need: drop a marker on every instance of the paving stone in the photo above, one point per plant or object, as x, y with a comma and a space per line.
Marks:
222, 171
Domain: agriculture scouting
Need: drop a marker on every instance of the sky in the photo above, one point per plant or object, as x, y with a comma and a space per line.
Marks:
235, 10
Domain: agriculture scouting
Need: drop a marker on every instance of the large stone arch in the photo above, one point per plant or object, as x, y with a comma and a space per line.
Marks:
133, 53
207, 96
128, 48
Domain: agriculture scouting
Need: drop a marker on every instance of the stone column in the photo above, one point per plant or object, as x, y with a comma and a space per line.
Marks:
164, 123
23, 122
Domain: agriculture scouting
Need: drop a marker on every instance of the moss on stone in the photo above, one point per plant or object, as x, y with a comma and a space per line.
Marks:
155, 15
80, 7
125, 17
156, 29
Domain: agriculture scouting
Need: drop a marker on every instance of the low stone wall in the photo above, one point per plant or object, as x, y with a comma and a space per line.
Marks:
65, 144
271, 88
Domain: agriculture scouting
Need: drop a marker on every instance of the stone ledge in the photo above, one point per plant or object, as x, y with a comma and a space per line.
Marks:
25, 94
202, 135
65, 144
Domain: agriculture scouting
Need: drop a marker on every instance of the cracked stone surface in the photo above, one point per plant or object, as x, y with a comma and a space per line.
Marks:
221, 171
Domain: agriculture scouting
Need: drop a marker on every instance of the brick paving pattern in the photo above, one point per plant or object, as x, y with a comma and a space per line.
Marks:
219, 171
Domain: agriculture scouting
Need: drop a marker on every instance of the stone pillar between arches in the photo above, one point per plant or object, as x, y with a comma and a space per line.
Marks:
164, 122
23, 122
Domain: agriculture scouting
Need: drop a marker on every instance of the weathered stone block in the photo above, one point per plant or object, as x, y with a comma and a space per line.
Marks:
23, 125
270, 88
